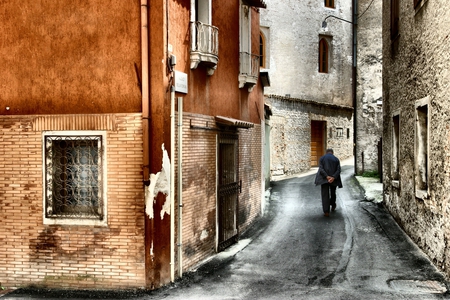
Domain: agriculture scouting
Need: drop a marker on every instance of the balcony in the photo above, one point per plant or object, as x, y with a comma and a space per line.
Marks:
248, 70
204, 46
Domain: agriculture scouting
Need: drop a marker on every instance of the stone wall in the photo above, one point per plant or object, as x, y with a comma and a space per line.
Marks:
292, 31
291, 133
416, 86
369, 85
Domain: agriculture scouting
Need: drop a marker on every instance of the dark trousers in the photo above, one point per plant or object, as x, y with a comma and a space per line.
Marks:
328, 196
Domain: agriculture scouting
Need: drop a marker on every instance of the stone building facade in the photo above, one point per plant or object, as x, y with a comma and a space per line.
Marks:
291, 132
416, 110
310, 69
369, 101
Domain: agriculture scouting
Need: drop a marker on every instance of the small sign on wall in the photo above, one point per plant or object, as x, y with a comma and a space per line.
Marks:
181, 82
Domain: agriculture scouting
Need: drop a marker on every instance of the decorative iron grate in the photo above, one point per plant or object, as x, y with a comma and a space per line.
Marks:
73, 171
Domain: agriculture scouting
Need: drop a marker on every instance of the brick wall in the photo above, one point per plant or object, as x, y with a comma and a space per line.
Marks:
199, 189
250, 171
63, 255
200, 185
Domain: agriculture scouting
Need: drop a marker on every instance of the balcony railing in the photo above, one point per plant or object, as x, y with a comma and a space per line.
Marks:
248, 69
204, 46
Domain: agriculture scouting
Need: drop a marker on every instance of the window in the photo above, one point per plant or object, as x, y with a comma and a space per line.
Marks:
416, 3
421, 148
395, 146
395, 17
323, 56
73, 178
204, 37
339, 132
329, 3
262, 51
203, 11
248, 61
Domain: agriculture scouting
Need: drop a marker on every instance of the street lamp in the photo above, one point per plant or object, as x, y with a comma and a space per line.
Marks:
354, 23
324, 22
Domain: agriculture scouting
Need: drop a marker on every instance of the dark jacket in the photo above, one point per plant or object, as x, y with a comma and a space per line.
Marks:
329, 165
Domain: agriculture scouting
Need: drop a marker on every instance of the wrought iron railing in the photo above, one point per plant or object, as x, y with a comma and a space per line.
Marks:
249, 64
204, 38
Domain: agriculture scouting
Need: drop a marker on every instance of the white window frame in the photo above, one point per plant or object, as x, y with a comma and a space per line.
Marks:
248, 62
104, 188
421, 148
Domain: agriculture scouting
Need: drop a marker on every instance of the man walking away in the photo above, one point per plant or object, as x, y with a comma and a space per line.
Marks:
329, 177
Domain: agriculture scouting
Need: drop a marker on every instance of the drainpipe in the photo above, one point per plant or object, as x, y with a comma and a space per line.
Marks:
172, 183
180, 187
145, 94
354, 89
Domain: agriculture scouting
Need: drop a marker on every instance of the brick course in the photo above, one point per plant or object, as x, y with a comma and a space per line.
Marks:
70, 256
200, 184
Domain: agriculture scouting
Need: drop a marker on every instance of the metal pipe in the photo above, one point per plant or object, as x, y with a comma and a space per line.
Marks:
180, 187
145, 93
354, 87
172, 183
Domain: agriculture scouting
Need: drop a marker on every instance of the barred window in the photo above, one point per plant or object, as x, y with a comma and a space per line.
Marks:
73, 177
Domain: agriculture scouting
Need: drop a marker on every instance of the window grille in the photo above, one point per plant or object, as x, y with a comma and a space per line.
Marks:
73, 177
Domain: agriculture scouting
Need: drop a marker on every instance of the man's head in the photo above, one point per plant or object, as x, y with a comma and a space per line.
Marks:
329, 151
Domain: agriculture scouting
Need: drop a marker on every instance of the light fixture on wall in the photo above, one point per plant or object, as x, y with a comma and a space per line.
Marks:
324, 22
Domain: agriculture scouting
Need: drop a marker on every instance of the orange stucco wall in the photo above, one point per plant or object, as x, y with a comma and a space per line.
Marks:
69, 56
218, 94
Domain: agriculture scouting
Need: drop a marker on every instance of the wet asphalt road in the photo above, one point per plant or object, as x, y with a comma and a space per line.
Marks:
294, 252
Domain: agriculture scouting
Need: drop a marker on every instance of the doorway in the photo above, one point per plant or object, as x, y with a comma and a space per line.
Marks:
318, 129
228, 189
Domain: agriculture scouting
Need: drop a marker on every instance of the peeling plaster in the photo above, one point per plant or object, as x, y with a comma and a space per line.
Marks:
159, 183
203, 235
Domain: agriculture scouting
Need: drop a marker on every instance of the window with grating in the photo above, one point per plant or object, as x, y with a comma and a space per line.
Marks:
73, 177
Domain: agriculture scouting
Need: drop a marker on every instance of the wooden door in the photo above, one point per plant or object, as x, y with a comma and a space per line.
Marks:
317, 141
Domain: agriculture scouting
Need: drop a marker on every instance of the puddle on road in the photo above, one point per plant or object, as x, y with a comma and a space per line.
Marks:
418, 286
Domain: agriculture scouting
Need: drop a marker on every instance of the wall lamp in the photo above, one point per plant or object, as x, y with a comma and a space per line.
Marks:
324, 22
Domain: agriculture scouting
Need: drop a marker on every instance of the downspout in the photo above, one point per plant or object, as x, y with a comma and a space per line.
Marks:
354, 87
172, 183
180, 187
172, 152
145, 94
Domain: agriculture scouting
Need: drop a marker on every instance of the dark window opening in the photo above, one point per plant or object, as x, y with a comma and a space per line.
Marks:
323, 56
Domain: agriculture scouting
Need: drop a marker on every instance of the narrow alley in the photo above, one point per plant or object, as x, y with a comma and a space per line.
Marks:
295, 252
